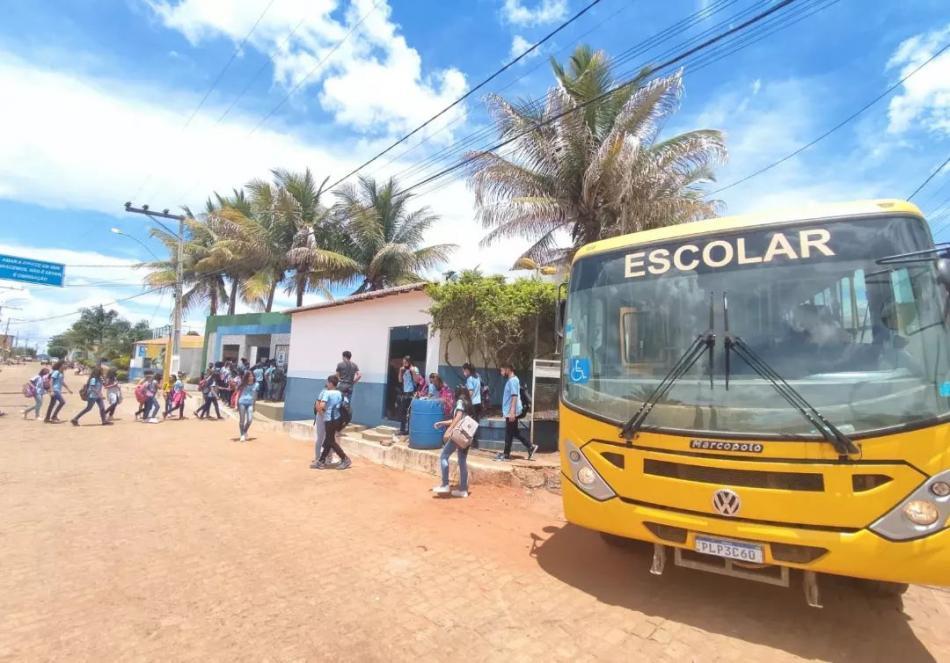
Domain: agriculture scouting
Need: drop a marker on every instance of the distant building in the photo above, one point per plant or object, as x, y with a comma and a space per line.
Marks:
150, 354
255, 336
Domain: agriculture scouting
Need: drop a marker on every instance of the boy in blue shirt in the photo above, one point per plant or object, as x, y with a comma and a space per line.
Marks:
328, 407
512, 409
473, 382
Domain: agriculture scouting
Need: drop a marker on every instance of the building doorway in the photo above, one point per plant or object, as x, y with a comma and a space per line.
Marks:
230, 351
412, 341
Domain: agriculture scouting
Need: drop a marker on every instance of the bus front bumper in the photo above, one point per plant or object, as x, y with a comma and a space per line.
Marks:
860, 554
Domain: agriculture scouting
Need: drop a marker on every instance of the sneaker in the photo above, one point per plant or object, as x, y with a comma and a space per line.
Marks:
243, 438
318, 465
459, 493
531, 450
107, 423
502, 457
74, 422
442, 490
153, 420
345, 465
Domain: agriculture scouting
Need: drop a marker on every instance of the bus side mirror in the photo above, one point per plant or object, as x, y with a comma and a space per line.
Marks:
943, 272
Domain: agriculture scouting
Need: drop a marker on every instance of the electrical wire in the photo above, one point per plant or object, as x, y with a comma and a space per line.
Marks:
933, 174
833, 129
586, 8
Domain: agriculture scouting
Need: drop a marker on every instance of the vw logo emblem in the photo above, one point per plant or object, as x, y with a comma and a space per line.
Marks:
726, 502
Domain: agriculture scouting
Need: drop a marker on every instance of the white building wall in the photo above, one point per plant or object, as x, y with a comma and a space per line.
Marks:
318, 337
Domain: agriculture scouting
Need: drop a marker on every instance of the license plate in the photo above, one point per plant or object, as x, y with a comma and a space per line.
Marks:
738, 550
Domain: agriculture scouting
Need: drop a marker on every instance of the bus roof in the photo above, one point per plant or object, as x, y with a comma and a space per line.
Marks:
708, 226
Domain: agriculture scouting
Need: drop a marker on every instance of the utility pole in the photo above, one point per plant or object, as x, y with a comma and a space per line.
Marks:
173, 358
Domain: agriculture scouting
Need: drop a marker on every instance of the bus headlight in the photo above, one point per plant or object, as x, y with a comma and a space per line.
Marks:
585, 476
923, 512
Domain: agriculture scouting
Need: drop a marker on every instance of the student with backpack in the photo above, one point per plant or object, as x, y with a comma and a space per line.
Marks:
330, 404
152, 387
92, 394
177, 396
112, 393
35, 389
209, 390
463, 409
513, 409
56, 400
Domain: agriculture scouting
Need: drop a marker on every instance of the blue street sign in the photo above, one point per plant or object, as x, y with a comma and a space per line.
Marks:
13, 268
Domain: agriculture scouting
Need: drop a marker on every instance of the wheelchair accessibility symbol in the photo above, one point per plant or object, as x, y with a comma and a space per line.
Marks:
580, 370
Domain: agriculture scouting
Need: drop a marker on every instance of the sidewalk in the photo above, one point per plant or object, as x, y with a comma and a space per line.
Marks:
541, 472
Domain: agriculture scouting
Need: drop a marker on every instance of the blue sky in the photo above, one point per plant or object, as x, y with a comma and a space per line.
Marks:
97, 96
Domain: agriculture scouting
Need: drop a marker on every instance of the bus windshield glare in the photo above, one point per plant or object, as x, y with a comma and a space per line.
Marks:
866, 344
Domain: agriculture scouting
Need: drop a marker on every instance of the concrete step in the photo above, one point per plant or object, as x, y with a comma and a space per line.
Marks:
482, 470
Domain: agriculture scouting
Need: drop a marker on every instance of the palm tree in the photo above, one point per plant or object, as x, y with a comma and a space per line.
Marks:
315, 255
269, 235
594, 173
384, 237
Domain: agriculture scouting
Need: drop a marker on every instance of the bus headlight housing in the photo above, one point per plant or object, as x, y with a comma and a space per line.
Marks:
585, 476
923, 512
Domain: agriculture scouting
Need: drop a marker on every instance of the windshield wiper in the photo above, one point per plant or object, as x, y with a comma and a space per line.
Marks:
704, 343
841, 442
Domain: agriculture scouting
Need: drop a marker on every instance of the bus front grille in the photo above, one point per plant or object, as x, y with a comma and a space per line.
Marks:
804, 481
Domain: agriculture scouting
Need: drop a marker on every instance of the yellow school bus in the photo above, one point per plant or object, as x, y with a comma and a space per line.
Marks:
765, 395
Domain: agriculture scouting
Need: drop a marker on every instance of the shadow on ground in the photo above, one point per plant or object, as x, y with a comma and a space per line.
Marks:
851, 627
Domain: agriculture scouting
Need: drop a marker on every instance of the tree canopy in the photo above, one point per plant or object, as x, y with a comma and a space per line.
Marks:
99, 333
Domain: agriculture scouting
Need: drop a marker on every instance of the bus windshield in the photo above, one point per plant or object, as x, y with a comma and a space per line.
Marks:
865, 344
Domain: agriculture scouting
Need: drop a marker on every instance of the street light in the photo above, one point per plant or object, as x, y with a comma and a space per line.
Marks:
136, 239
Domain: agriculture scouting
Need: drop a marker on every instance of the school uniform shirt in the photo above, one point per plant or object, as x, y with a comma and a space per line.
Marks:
432, 390
179, 386
248, 392
37, 383
474, 385
512, 388
151, 388
409, 380
333, 398
56, 378
94, 389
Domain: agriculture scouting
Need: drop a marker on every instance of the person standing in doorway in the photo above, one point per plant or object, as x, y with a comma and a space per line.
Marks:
56, 401
333, 401
349, 374
407, 385
512, 408
93, 397
247, 395
473, 382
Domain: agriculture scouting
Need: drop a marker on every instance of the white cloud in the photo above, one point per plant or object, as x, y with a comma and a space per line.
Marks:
925, 99
374, 82
518, 12
518, 46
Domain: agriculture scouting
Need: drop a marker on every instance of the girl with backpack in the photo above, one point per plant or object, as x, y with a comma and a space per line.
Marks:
92, 392
113, 393
177, 396
209, 389
35, 389
329, 407
56, 400
463, 408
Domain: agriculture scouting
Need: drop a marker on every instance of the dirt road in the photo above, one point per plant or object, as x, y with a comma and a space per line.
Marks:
172, 541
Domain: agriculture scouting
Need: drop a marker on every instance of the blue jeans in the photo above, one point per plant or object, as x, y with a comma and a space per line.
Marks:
246, 416
37, 406
56, 403
463, 464
151, 408
90, 403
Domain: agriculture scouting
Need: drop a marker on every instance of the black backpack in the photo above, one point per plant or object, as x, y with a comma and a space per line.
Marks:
525, 399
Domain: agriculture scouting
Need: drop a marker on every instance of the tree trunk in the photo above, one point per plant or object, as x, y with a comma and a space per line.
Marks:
270, 297
301, 285
213, 305
233, 300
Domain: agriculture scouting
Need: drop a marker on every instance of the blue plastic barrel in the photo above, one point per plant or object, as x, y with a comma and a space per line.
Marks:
422, 432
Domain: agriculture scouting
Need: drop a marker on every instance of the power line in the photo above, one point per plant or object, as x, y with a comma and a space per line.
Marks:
932, 175
833, 129
227, 65
470, 91
668, 63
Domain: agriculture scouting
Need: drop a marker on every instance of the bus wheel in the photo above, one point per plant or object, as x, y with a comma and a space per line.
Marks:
882, 589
